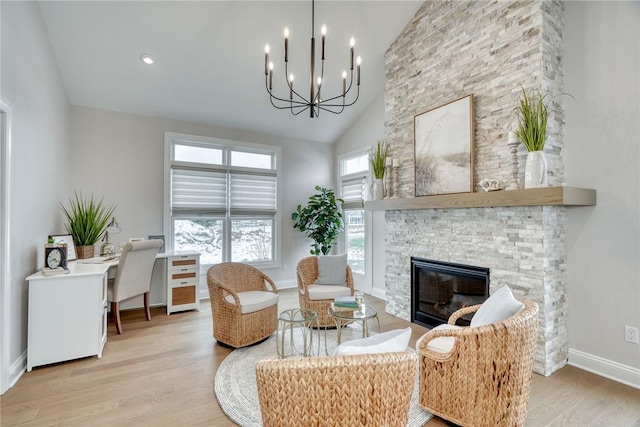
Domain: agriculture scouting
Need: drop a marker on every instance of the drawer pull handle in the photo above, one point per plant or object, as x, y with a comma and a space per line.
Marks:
183, 283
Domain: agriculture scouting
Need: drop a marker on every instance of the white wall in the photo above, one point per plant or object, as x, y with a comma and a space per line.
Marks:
40, 164
602, 152
120, 157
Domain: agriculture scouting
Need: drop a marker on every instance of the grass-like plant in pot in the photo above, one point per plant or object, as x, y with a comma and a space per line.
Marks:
86, 222
320, 220
533, 115
378, 159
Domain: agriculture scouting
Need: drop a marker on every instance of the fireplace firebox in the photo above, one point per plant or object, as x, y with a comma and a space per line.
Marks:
439, 288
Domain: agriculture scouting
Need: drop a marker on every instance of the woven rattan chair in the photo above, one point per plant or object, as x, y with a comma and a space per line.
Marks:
486, 377
244, 304
357, 390
307, 273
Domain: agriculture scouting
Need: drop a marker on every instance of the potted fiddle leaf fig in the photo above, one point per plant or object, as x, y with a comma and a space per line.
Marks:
320, 220
86, 222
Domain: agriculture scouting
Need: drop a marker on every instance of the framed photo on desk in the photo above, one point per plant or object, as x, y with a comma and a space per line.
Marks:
68, 239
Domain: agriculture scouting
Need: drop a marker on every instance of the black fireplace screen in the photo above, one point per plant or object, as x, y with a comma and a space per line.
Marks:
438, 289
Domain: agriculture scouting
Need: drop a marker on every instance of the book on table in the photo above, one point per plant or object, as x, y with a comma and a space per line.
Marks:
345, 302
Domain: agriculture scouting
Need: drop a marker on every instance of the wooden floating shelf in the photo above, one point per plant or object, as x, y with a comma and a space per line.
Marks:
543, 196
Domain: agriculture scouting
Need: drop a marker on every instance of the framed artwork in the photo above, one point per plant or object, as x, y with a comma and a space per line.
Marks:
68, 239
443, 148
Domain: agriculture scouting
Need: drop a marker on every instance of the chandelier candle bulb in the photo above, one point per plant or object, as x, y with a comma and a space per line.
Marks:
344, 83
352, 42
286, 44
290, 86
323, 30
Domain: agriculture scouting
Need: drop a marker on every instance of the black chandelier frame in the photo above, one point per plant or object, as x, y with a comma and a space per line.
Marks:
297, 103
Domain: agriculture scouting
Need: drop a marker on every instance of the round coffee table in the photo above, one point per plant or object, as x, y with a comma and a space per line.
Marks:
363, 314
296, 330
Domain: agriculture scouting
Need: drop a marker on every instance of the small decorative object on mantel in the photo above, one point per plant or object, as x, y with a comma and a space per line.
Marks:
86, 221
378, 161
514, 141
491, 184
532, 114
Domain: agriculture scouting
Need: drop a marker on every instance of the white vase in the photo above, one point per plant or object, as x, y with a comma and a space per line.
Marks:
377, 189
535, 170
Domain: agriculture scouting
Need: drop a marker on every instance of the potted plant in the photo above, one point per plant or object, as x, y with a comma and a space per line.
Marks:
532, 113
86, 222
321, 220
377, 160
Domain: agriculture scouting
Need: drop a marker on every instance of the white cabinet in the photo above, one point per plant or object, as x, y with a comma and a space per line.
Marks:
67, 315
183, 281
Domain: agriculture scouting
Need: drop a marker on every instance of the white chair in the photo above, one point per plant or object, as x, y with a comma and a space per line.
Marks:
133, 276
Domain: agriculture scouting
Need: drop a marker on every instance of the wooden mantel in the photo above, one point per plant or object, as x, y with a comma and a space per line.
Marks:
550, 196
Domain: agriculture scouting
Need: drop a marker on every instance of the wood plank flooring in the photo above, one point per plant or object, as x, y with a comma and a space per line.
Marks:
160, 373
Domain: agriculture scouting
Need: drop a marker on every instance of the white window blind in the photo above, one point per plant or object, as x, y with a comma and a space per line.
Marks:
352, 192
201, 190
252, 193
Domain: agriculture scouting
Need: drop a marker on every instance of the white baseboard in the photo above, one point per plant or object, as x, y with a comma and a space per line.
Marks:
17, 368
286, 284
378, 293
605, 368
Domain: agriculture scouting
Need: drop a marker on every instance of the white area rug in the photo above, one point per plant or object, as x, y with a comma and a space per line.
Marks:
237, 393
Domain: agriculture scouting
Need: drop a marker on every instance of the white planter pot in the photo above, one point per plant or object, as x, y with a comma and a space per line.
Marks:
377, 189
535, 170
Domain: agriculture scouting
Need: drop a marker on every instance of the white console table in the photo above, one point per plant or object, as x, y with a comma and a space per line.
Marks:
67, 314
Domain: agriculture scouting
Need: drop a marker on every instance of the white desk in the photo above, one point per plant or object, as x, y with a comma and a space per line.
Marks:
180, 278
68, 313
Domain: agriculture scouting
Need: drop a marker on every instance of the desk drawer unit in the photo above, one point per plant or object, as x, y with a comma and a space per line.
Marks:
183, 281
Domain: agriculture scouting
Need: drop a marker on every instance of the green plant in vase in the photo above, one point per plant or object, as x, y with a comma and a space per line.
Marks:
320, 220
86, 222
377, 160
532, 113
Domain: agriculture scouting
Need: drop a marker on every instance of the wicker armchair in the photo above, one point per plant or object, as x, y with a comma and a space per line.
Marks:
244, 304
307, 273
486, 377
356, 390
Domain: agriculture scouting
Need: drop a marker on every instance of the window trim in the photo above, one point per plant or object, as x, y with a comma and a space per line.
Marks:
366, 174
228, 146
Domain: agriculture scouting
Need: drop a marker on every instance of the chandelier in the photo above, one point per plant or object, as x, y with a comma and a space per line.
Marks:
315, 102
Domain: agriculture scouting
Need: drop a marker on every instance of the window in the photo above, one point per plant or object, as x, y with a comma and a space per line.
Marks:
221, 199
354, 174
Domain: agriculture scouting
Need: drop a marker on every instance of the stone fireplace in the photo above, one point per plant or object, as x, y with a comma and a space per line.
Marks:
490, 49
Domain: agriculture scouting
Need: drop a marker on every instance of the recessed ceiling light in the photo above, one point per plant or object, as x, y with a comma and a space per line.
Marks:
146, 58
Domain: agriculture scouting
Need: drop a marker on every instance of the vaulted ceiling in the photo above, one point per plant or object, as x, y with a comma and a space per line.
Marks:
209, 57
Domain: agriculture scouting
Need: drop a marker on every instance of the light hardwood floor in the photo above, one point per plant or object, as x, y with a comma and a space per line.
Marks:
160, 373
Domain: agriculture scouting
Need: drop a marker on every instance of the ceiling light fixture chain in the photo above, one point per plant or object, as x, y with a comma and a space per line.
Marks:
298, 103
